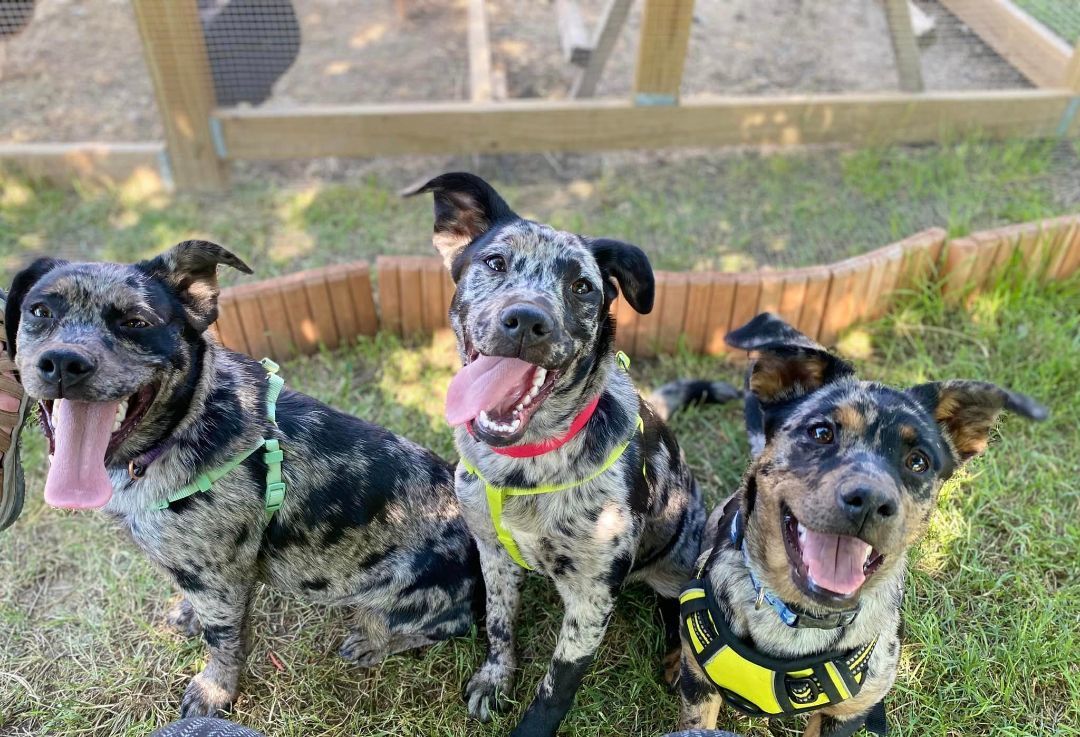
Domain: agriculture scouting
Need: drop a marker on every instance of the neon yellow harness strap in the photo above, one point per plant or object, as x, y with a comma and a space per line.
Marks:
275, 485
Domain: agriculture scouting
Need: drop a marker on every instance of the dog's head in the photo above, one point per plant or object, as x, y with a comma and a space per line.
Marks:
102, 347
531, 310
851, 469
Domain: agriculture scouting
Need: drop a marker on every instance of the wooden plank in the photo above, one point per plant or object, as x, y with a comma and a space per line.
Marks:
673, 313
747, 291
922, 252
987, 243
699, 289
278, 322
322, 309
432, 280
363, 298
1035, 51
860, 286
772, 290
230, 329
412, 308
905, 46
1072, 71
268, 133
607, 34
665, 38
387, 268
251, 317
817, 292
721, 304
341, 304
479, 52
959, 262
111, 163
573, 38
878, 265
1067, 230
1071, 263
175, 51
1008, 240
840, 304
304, 328
791, 301
1029, 246
647, 327
890, 277
625, 326
449, 290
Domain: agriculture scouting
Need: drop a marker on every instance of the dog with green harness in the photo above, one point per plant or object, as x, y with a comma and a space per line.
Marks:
223, 476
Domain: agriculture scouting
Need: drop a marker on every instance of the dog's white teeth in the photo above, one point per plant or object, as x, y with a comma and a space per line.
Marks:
539, 377
520, 406
121, 415
515, 425
527, 399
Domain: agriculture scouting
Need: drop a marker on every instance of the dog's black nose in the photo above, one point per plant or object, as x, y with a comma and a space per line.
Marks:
526, 323
862, 504
65, 367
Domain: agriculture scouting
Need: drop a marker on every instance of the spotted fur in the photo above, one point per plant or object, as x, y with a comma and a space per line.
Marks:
794, 385
639, 521
370, 520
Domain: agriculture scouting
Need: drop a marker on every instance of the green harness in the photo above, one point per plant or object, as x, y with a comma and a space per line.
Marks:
275, 486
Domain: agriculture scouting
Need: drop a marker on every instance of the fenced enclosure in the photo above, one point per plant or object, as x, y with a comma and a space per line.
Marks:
268, 80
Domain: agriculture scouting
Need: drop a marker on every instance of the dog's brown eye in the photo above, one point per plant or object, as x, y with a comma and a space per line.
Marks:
40, 310
496, 263
581, 286
135, 323
821, 433
917, 462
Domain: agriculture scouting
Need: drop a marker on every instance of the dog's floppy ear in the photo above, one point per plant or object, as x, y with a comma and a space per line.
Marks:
766, 329
967, 410
782, 372
190, 268
21, 285
629, 266
466, 207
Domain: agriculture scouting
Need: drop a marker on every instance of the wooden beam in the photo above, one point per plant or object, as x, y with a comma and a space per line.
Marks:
665, 37
113, 163
905, 47
573, 38
1072, 72
479, 53
176, 57
1035, 51
603, 43
589, 125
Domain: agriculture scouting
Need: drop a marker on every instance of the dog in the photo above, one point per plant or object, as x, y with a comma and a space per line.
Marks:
550, 441
138, 402
796, 604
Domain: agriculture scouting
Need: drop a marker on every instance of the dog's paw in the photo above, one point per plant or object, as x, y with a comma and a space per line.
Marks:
363, 651
488, 691
184, 620
672, 668
205, 699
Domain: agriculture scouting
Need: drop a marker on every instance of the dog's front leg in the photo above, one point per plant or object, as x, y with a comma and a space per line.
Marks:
223, 612
700, 701
490, 685
589, 604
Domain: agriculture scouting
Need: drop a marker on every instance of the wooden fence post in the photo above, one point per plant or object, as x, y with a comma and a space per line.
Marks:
905, 46
1072, 72
176, 57
665, 37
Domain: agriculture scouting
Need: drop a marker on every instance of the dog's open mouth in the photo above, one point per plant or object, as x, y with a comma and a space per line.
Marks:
498, 395
829, 568
82, 436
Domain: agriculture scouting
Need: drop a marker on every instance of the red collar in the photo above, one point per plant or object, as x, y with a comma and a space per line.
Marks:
546, 446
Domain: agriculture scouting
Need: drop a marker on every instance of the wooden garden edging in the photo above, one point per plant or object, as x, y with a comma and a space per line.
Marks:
329, 307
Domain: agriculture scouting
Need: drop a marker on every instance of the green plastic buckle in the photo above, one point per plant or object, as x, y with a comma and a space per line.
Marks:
275, 496
623, 360
270, 365
274, 456
203, 483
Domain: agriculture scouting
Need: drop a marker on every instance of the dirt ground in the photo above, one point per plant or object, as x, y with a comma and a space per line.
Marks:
77, 73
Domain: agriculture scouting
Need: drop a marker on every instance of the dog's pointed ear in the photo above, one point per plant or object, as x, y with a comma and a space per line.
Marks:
630, 267
466, 207
967, 410
21, 285
190, 268
782, 372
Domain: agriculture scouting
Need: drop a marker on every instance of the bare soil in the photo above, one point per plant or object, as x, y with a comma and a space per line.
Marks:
77, 72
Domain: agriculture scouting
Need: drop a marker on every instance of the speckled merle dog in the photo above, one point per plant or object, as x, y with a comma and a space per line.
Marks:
844, 479
137, 401
541, 401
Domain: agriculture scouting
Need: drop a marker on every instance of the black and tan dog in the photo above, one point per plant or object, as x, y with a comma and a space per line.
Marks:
139, 403
796, 607
557, 472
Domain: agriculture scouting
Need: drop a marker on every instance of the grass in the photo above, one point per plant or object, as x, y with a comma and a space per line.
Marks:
993, 637
701, 211
1060, 16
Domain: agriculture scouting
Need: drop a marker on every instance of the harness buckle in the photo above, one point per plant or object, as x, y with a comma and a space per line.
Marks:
275, 496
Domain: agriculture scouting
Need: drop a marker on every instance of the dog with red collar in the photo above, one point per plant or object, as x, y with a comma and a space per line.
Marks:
564, 470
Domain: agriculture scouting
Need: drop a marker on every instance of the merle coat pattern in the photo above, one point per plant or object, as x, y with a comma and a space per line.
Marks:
842, 456
370, 520
593, 538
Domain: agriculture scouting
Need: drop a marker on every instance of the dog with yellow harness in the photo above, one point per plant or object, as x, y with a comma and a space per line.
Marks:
564, 470
795, 604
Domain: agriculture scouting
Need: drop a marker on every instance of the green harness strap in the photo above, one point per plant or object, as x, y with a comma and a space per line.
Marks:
275, 485
496, 495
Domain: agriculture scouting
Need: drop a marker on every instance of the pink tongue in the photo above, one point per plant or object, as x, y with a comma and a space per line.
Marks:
81, 432
835, 562
484, 384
